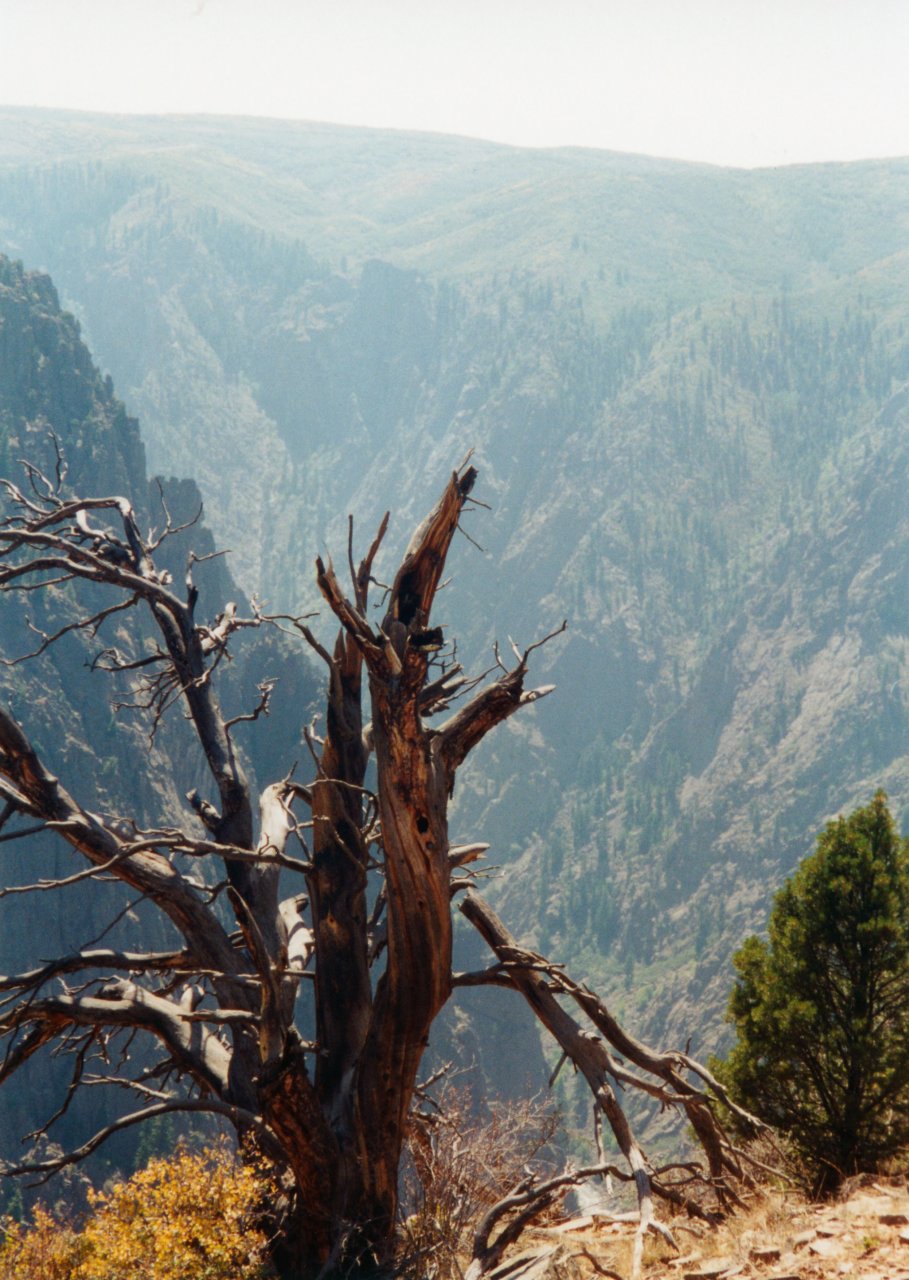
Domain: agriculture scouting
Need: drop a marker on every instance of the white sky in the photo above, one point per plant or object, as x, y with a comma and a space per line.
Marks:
742, 82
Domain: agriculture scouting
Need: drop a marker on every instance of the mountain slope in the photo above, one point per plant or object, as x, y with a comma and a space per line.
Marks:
686, 391
58, 413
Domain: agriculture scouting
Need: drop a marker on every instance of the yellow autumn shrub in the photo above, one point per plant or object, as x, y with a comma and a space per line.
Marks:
193, 1216
47, 1249
190, 1217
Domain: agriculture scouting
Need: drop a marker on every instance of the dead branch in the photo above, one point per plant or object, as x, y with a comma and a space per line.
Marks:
124, 1004
219, 1006
89, 625
597, 1265
522, 1205
34, 790
537, 980
489, 707
239, 1117
140, 962
23, 832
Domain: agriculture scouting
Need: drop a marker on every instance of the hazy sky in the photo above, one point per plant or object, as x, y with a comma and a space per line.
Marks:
742, 82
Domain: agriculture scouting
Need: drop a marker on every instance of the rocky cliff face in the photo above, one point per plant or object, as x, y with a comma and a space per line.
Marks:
57, 413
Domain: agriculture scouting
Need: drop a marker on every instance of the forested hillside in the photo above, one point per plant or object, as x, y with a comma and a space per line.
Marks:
686, 388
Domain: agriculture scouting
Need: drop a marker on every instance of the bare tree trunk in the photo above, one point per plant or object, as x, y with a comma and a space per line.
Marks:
333, 1114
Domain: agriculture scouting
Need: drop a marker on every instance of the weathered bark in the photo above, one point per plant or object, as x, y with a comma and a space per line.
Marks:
294, 1113
413, 788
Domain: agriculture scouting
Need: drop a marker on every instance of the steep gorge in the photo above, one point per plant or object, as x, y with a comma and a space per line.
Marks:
686, 388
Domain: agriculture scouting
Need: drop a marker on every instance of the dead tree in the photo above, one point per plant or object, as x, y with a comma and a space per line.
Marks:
368, 923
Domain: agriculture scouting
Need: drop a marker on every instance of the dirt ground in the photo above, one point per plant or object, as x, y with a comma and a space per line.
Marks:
864, 1234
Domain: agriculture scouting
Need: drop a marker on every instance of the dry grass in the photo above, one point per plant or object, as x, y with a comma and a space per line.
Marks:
608, 1248
459, 1167
767, 1222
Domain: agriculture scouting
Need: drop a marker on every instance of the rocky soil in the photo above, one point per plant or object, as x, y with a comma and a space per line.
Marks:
863, 1235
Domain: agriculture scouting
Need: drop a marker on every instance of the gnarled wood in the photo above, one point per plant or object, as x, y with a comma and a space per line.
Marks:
376, 956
